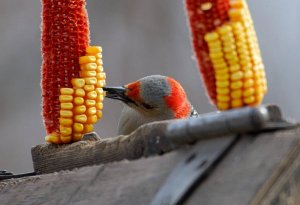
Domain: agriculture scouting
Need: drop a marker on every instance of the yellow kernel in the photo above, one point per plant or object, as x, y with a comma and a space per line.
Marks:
213, 36
224, 29
65, 122
248, 74
65, 131
214, 44
99, 114
236, 85
248, 83
90, 103
99, 62
217, 55
234, 68
223, 106
93, 49
91, 111
237, 4
101, 76
223, 91
236, 103
53, 138
87, 59
88, 67
66, 91
99, 69
231, 56
206, 6
92, 119
221, 72
80, 118
89, 88
77, 136
66, 106
236, 15
222, 77
79, 92
249, 100
78, 127
223, 98
66, 139
79, 109
88, 128
228, 39
92, 95
91, 81
98, 55
100, 98
236, 94
220, 66
215, 50
88, 73
222, 84
248, 92
78, 101
66, 113
100, 83
65, 98
233, 61
229, 48
99, 106
238, 75
259, 98
99, 91
247, 67
78, 82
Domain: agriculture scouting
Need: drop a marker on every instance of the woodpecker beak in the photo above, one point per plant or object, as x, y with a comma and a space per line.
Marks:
118, 93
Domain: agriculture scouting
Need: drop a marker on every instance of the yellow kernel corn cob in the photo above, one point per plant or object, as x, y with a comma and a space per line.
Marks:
236, 59
81, 106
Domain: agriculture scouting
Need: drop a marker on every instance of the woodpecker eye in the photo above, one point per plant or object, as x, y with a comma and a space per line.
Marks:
147, 106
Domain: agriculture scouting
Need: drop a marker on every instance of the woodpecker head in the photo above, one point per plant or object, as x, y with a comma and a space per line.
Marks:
153, 95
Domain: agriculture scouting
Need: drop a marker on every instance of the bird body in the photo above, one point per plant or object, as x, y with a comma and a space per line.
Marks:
149, 99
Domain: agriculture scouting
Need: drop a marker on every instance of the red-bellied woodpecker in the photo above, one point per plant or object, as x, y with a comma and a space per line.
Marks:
149, 99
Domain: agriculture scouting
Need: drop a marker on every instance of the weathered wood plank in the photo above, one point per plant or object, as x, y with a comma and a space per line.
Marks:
257, 164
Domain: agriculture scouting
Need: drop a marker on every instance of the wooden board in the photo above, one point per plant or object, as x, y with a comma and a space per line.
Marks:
261, 169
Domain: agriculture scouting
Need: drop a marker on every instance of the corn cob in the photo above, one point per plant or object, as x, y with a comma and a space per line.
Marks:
72, 72
227, 50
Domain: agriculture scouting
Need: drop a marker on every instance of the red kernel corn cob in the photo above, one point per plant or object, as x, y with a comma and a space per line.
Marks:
227, 50
71, 82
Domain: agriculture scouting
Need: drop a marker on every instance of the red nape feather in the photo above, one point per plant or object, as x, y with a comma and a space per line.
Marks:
134, 90
177, 100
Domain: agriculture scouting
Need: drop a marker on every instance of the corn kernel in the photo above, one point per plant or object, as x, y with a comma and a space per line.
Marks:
53, 138
99, 69
222, 105
80, 92
223, 91
214, 44
90, 103
93, 49
88, 128
249, 100
87, 59
92, 119
211, 36
90, 81
65, 98
66, 106
100, 98
98, 55
223, 98
99, 114
99, 91
206, 6
88, 67
236, 15
79, 109
221, 72
236, 103
237, 4
222, 84
92, 95
80, 118
88, 73
91, 111
222, 77
99, 106
236, 94
248, 74
234, 68
78, 101
65, 131
236, 85
237, 75
99, 62
89, 88
101, 76
78, 127
77, 136
66, 91
66, 121
220, 66
66, 113
100, 83
248, 83
78, 82
66, 139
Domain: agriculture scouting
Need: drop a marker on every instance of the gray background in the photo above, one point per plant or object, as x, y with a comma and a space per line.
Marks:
139, 37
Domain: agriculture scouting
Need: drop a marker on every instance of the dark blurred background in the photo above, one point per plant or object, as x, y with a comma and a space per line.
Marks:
139, 38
